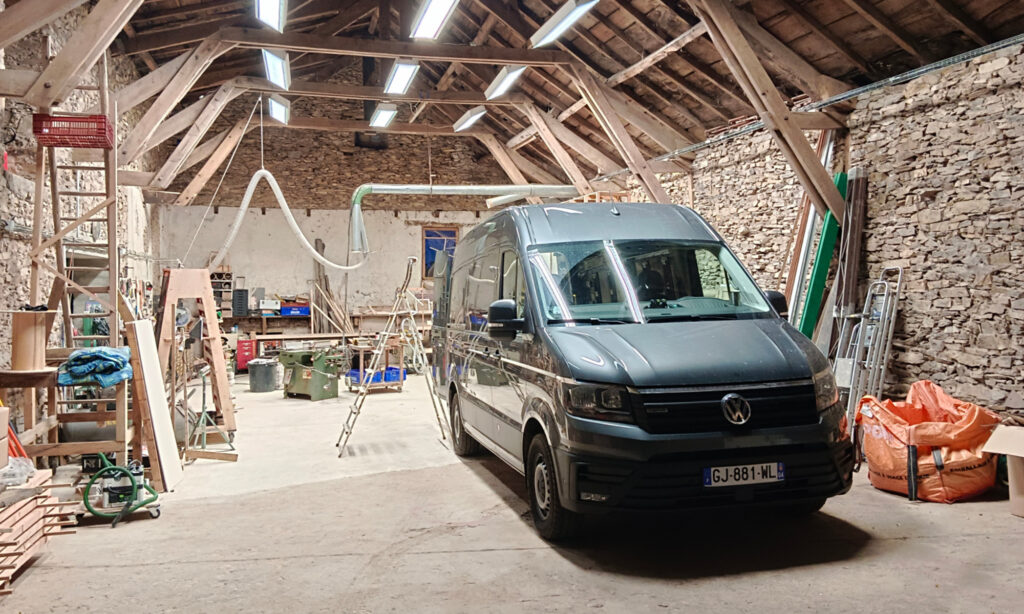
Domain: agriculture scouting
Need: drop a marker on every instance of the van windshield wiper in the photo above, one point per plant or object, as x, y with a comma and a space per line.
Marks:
693, 317
589, 321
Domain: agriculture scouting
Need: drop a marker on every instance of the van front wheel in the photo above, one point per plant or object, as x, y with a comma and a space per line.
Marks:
553, 521
462, 443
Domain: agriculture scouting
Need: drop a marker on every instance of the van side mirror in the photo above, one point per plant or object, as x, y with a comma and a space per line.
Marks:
778, 302
502, 322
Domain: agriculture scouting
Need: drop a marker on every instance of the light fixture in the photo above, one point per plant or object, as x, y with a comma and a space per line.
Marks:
279, 108
272, 13
504, 81
469, 118
383, 115
402, 72
566, 15
278, 71
433, 14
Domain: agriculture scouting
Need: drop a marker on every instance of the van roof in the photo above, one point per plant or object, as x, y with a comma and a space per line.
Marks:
558, 223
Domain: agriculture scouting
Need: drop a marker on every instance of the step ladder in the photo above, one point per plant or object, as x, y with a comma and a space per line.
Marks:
401, 324
85, 233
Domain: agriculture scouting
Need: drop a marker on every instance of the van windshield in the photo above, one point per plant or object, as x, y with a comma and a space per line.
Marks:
608, 282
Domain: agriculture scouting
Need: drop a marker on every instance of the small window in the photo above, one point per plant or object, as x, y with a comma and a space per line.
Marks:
437, 239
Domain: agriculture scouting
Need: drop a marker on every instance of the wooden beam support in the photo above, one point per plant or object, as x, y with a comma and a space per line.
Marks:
223, 150
894, 31
197, 62
189, 35
365, 92
948, 10
659, 54
603, 109
592, 154
15, 82
504, 158
360, 125
23, 18
170, 168
144, 88
176, 123
79, 54
429, 52
563, 158
732, 44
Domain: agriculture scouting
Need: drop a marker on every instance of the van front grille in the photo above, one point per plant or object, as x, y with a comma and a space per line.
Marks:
699, 410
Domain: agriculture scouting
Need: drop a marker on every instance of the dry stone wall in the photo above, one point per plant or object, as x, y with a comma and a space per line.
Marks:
17, 188
945, 157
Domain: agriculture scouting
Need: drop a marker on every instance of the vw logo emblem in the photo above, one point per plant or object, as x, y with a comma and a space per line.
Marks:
735, 408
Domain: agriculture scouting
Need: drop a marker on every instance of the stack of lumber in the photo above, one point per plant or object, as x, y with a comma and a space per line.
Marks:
29, 517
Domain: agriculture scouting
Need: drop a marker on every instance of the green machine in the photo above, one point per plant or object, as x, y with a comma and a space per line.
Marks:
311, 373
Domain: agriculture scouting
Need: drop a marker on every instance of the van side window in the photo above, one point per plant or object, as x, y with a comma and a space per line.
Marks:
513, 286
457, 308
481, 289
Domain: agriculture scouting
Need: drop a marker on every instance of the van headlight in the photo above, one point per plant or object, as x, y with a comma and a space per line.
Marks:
598, 402
826, 393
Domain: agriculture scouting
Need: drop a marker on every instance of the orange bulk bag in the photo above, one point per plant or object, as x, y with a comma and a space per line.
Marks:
948, 435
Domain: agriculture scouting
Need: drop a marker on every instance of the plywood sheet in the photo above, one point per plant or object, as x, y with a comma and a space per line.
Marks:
159, 414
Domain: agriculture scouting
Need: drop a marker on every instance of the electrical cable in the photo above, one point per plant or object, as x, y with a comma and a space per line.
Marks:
209, 206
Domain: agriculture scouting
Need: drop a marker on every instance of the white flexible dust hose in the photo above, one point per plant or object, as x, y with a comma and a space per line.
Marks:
357, 233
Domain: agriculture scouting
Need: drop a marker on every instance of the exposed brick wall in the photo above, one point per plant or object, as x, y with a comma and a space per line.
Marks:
944, 154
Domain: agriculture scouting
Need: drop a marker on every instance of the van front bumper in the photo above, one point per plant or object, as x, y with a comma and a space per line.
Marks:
610, 466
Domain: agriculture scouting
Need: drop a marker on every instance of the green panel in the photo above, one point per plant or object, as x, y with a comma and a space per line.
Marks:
822, 261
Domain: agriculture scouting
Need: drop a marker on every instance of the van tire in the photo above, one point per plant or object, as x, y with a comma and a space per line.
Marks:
552, 521
462, 443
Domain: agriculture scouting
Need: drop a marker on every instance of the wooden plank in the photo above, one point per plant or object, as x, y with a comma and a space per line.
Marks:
144, 354
23, 18
15, 82
169, 170
957, 16
176, 123
569, 166
659, 54
873, 15
595, 156
144, 43
354, 125
63, 232
90, 39
835, 41
197, 62
732, 44
505, 161
431, 52
192, 454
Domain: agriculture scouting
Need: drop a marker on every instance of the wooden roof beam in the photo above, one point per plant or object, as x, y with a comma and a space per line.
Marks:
88, 42
948, 10
436, 52
894, 31
315, 89
563, 158
811, 22
23, 18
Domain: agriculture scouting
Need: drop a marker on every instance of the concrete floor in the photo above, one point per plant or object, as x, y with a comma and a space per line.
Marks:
404, 526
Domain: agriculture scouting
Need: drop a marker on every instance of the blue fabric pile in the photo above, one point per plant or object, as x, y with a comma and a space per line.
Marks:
105, 366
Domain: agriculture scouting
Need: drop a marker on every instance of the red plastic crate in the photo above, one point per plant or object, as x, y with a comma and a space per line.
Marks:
89, 131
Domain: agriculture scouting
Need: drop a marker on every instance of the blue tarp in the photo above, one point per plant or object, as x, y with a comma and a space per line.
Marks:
105, 366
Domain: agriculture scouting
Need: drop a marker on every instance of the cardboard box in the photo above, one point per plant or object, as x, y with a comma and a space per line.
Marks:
1009, 440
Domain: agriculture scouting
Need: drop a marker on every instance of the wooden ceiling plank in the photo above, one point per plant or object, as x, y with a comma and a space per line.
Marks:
948, 10
821, 30
199, 59
890, 28
188, 35
89, 41
20, 20
596, 95
191, 10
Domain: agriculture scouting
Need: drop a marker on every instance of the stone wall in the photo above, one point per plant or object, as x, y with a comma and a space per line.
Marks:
945, 154
320, 169
18, 185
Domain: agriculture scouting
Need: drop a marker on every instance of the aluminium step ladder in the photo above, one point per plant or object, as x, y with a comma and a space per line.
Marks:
401, 324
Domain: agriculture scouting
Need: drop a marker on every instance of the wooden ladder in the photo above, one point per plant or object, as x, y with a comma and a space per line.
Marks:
75, 272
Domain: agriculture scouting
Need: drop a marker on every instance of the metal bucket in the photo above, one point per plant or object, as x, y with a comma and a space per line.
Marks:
262, 375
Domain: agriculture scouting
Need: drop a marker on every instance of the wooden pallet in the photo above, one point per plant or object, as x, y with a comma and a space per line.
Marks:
29, 517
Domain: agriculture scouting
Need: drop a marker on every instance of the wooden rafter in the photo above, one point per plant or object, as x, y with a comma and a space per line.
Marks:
948, 10
873, 15
23, 18
739, 55
822, 31
563, 158
169, 170
86, 45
